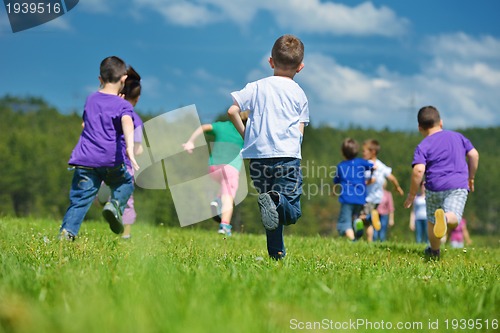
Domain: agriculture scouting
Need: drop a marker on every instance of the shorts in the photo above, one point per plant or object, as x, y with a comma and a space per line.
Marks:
228, 178
368, 207
450, 201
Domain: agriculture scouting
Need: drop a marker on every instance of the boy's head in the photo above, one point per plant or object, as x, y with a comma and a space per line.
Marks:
350, 148
371, 147
287, 53
112, 70
428, 117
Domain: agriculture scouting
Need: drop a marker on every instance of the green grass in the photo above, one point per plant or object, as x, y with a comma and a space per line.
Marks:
190, 280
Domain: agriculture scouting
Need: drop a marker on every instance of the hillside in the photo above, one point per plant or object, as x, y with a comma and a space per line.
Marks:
37, 141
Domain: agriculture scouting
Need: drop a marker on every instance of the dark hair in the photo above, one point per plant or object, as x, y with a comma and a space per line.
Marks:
350, 148
131, 90
132, 87
288, 52
112, 69
428, 117
372, 145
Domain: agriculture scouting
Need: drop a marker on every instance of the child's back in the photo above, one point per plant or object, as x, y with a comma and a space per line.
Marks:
277, 105
443, 153
351, 176
100, 144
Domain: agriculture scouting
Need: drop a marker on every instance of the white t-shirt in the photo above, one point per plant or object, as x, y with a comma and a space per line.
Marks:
375, 191
277, 107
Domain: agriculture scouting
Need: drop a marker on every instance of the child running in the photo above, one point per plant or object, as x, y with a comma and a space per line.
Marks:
375, 187
350, 176
224, 167
278, 114
449, 162
98, 155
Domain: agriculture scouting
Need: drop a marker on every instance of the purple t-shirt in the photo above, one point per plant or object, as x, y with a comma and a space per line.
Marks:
100, 143
443, 154
137, 138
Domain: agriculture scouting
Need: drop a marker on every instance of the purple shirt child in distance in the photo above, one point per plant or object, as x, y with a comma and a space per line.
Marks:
443, 153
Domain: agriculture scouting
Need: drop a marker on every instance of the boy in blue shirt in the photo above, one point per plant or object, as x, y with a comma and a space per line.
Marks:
272, 139
350, 178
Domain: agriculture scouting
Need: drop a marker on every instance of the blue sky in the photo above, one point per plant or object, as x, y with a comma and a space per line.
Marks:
367, 63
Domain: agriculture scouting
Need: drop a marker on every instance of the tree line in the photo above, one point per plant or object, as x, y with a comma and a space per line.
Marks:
37, 141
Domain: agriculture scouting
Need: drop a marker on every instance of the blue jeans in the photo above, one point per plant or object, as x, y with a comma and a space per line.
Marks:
348, 212
421, 231
283, 176
84, 187
381, 235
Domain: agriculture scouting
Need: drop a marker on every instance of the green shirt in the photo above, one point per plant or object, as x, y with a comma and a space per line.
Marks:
227, 145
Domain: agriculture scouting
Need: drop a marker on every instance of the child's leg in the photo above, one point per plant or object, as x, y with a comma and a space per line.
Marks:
121, 184
84, 187
288, 184
129, 214
433, 240
229, 187
263, 174
384, 224
276, 243
344, 222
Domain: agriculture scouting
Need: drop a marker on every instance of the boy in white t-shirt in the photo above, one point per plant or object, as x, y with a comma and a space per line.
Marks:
278, 114
375, 187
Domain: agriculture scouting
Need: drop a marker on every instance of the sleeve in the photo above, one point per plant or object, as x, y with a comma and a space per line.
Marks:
418, 157
387, 171
138, 124
304, 114
244, 97
467, 144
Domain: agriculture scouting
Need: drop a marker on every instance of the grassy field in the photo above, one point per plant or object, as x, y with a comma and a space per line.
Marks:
188, 280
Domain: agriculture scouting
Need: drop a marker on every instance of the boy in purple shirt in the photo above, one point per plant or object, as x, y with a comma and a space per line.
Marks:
98, 155
449, 162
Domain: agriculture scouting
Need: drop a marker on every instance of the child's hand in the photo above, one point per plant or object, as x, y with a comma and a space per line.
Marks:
409, 201
131, 157
188, 146
471, 185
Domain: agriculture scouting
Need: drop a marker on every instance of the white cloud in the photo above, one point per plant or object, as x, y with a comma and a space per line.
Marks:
338, 19
311, 16
461, 45
464, 89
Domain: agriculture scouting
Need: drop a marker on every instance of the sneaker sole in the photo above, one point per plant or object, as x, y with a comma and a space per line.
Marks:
114, 223
269, 215
376, 220
440, 227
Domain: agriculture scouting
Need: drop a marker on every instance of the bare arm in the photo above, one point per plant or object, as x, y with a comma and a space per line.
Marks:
128, 134
473, 163
234, 115
395, 182
189, 145
412, 220
416, 178
138, 149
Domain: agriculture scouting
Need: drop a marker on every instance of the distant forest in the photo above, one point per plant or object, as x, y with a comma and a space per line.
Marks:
37, 140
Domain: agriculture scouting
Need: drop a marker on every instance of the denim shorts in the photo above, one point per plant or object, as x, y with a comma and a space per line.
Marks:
450, 201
